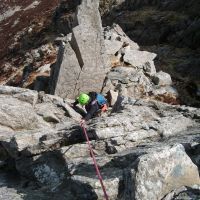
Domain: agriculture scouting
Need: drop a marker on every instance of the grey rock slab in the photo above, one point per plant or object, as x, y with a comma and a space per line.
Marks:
149, 68
138, 58
83, 57
115, 33
75, 151
132, 81
121, 125
118, 141
88, 43
61, 103
49, 168
10, 194
65, 73
183, 192
171, 125
22, 94
141, 135
50, 112
160, 172
112, 46
71, 112
27, 142
162, 79
165, 90
19, 115
111, 182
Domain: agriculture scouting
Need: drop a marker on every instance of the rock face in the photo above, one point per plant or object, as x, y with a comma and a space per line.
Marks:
142, 146
81, 69
25, 109
184, 193
133, 72
164, 177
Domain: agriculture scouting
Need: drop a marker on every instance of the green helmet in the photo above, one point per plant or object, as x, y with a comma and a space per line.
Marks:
83, 99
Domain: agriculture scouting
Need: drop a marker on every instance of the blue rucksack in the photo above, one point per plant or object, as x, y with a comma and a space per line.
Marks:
101, 99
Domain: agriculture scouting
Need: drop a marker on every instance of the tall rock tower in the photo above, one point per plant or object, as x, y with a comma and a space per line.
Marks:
82, 62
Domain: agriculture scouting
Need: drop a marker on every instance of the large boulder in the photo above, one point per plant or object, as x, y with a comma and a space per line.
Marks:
162, 78
17, 115
161, 172
82, 64
23, 109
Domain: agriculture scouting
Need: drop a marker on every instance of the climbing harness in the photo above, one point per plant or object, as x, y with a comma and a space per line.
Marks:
94, 161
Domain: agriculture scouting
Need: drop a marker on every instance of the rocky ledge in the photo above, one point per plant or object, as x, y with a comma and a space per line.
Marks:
144, 148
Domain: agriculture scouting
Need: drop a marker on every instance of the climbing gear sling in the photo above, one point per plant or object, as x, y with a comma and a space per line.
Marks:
94, 161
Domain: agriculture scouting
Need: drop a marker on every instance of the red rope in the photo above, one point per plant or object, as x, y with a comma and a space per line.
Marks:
94, 161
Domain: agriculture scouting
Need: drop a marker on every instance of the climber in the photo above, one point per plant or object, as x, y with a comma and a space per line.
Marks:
94, 103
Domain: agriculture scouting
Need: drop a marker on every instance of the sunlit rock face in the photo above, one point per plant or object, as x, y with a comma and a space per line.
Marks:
142, 145
82, 63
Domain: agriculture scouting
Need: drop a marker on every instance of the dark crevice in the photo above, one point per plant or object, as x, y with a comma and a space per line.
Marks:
193, 152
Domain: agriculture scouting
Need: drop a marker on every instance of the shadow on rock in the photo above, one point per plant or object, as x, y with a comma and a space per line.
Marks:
44, 176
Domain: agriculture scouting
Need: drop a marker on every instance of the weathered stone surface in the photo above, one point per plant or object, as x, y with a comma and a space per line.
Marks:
133, 70
26, 95
186, 193
64, 104
65, 73
50, 112
169, 125
115, 33
138, 58
161, 78
52, 156
130, 81
112, 46
168, 89
162, 178
135, 122
9, 194
23, 109
18, 115
92, 59
85, 58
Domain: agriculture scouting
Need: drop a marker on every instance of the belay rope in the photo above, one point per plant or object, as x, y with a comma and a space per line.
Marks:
94, 161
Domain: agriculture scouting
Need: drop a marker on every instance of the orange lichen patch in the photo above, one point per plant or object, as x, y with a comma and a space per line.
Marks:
115, 62
33, 77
